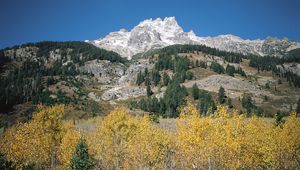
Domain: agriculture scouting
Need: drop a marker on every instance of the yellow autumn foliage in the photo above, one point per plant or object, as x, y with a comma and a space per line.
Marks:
223, 140
226, 140
148, 147
68, 144
288, 143
108, 142
34, 142
125, 141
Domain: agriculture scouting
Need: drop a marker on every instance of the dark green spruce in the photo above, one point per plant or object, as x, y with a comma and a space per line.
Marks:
81, 159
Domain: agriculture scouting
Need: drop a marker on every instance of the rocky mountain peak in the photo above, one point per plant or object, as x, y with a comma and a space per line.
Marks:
167, 21
148, 34
159, 33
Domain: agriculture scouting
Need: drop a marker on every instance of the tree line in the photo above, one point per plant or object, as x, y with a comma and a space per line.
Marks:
175, 49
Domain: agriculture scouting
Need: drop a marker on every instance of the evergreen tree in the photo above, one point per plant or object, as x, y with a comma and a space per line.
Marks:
247, 103
180, 76
162, 106
230, 70
146, 72
189, 75
153, 105
140, 78
216, 67
143, 104
229, 103
205, 102
195, 92
267, 85
241, 72
81, 159
279, 118
95, 108
221, 95
203, 64
166, 79
147, 81
174, 97
155, 77
149, 91
197, 63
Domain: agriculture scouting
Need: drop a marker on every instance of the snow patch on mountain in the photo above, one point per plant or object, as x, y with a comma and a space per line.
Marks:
148, 34
158, 33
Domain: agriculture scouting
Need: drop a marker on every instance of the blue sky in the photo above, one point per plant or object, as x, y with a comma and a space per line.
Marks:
62, 20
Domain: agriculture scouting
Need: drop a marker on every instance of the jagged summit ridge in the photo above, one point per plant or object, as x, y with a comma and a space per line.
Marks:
148, 34
158, 33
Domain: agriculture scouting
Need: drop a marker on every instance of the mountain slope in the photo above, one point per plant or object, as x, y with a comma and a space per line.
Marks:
158, 33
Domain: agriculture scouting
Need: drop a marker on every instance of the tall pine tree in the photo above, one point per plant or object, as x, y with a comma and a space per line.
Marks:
81, 159
149, 91
166, 79
195, 91
221, 95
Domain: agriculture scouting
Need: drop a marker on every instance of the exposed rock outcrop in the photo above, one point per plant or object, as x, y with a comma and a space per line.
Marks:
233, 86
105, 71
123, 93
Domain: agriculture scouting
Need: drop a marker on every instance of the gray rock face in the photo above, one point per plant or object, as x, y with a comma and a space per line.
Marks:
22, 53
133, 70
30, 53
278, 47
55, 55
93, 96
123, 88
270, 46
123, 93
105, 71
293, 67
234, 87
233, 43
149, 34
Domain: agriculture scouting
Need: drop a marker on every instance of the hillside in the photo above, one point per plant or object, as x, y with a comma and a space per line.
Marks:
168, 108
51, 72
91, 81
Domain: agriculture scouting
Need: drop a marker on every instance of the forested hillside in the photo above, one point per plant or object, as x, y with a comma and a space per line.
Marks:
177, 103
77, 73
46, 72
178, 67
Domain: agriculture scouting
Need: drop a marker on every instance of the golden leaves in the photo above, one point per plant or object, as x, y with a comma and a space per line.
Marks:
122, 140
148, 147
224, 140
68, 144
34, 141
231, 141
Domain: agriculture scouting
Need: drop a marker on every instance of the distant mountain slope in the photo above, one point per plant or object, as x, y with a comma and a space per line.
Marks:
84, 77
28, 72
158, 33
